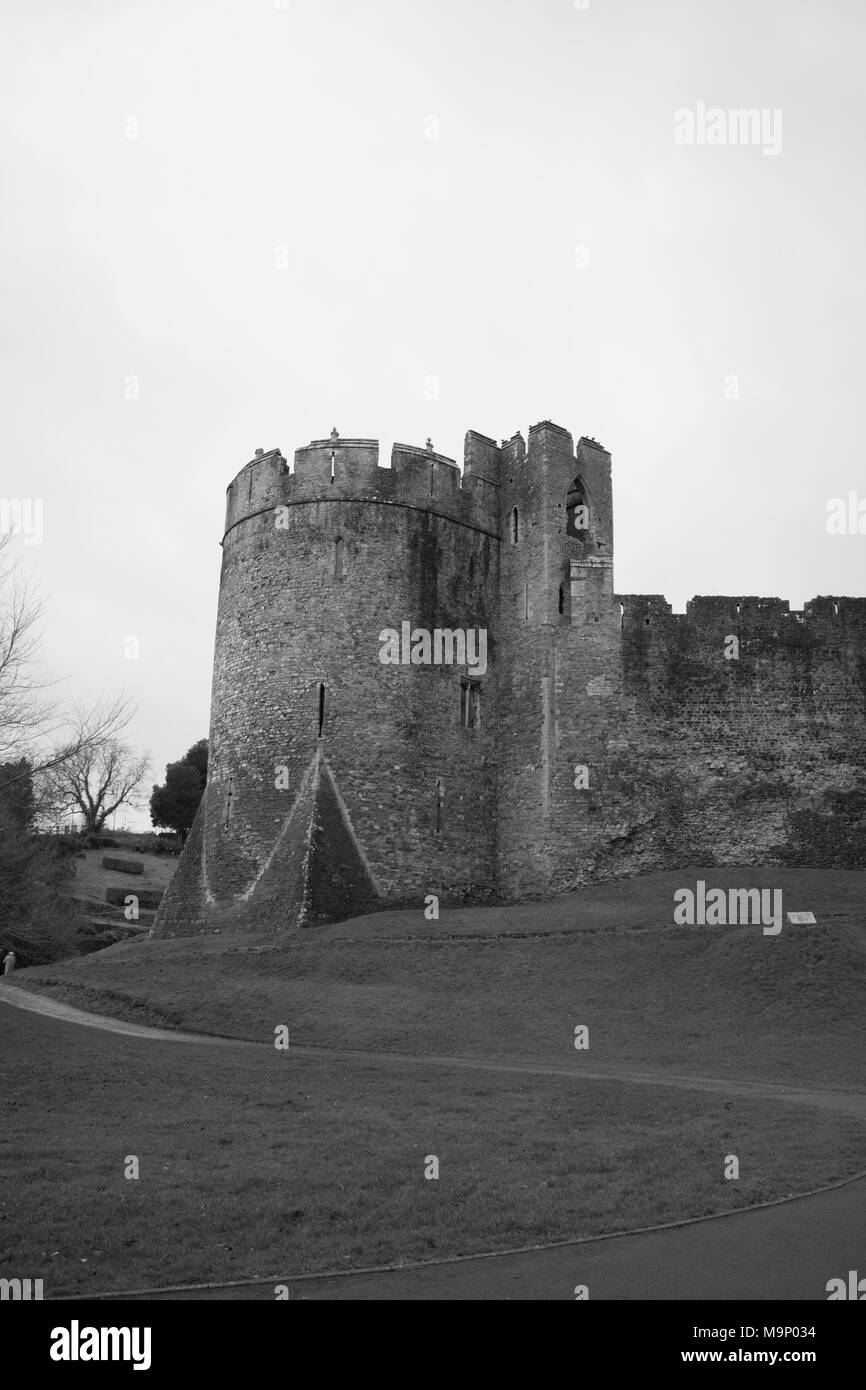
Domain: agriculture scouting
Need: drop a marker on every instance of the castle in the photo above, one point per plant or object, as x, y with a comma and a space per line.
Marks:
605, 737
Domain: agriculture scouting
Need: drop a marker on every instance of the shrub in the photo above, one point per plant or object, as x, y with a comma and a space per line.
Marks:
147, 897
122, 866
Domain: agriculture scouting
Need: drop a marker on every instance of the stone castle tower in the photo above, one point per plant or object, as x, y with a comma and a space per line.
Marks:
606, 736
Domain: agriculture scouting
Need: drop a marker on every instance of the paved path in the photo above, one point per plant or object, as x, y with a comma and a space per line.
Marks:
787, 1251
783, 1252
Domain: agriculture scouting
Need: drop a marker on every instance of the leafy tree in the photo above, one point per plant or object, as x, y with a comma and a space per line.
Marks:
17, 798
37, 915
174, 804
197, 757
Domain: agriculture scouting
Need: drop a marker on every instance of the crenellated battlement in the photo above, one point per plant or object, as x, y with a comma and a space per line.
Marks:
717, 616
399, 779
345, 470
338, 469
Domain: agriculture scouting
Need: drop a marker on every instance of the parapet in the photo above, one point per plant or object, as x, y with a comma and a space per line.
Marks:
591, 458
767, 620
584, 443
482, 457
548, 427
835, 612
642, 610
335, 462
714, 609
775, 613
256, 486
338, 469
421, 474
513, 450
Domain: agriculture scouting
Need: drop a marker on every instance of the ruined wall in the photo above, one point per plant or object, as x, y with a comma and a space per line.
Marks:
699, 759
691, 757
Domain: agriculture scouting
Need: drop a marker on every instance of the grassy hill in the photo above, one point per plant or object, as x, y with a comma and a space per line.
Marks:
514, 982
258, 1163
91, 879
102, 923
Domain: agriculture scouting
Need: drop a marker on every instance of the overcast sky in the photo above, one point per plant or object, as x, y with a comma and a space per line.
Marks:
281, 218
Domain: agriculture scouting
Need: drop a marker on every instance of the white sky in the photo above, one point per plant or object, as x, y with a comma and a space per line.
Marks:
305, 127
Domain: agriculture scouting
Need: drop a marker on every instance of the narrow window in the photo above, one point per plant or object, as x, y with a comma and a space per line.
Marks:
229, 801
440, 797
321, 709
515, 526
470, 704
577, 509
562, 598
333, 464
475, 706
339, 558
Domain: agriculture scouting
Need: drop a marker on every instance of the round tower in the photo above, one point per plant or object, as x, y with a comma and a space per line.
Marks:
341, 780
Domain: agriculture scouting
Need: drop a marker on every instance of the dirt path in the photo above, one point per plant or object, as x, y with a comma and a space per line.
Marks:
53, 1008
844, 1102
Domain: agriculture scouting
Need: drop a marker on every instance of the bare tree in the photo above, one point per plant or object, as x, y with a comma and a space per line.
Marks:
97, 780
22, 715
35, 726
39, 736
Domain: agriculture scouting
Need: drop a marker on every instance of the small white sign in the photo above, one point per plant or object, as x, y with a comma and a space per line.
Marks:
802, 919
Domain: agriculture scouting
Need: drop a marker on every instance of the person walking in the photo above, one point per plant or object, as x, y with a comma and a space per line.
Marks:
8, 962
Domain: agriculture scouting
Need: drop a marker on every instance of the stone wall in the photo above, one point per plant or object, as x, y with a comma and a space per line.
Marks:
298, 639
699, 758
338, 784
544, 569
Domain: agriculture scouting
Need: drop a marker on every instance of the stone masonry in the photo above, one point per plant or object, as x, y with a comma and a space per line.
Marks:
731, 734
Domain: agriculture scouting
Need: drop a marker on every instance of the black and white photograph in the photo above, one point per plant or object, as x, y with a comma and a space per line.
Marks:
432, 670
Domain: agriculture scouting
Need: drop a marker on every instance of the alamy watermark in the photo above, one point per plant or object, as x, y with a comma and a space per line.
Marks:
20, 1290
443, 647
846, 517
736, 126
855, 1288
22, 516
77, 1343
733, 907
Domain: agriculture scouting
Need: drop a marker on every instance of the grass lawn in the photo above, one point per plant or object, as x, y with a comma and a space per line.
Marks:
91, 879
512, 983
255, 1162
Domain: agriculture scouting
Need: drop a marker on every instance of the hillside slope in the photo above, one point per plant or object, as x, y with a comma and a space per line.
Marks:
515, 982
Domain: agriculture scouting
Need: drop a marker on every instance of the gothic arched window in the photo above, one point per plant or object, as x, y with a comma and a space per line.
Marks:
577, 509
